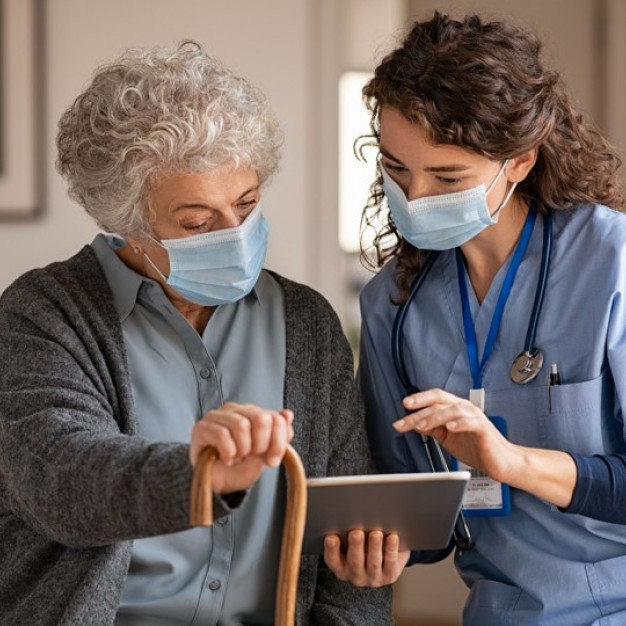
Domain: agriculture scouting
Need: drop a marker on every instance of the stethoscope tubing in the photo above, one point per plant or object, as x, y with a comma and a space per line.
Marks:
546, 253
398, 323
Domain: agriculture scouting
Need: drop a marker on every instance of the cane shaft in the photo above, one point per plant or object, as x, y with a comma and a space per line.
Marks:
201, 514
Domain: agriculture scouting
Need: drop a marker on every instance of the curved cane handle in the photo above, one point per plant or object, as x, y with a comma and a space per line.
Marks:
293, 529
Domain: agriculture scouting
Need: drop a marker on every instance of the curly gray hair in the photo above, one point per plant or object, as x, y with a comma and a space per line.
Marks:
158, 112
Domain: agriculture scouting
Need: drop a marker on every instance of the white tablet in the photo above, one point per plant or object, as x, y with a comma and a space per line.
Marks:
421, 508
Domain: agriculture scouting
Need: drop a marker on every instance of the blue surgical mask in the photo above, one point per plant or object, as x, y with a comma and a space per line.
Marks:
218, 267
441, 222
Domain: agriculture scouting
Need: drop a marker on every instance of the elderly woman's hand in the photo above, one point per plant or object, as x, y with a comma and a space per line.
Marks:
370, 560
247, 438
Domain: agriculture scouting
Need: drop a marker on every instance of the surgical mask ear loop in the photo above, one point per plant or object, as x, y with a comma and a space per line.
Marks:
156, 269
508, 195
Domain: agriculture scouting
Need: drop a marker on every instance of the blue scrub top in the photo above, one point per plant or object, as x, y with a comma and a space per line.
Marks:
539, 565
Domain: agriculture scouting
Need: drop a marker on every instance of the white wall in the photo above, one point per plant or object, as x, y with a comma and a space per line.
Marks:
269, 42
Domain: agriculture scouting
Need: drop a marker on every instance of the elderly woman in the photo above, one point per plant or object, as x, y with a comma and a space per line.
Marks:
111, 358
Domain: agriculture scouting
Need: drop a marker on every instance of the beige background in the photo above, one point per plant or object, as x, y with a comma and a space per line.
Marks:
295, 50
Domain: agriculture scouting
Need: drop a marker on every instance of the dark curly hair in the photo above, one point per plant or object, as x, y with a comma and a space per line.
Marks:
482, 86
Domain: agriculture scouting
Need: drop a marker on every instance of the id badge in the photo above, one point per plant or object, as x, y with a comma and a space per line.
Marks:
484, 496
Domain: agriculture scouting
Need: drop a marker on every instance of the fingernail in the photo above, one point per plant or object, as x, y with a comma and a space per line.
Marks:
409, 401
274, 461
399, 424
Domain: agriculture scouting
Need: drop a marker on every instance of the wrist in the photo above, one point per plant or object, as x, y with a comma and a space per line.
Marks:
515, 464
547, 474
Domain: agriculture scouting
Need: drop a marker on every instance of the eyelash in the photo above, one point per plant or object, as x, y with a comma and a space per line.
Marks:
400, 169
245, 208
195, 228
248, 204
449, 181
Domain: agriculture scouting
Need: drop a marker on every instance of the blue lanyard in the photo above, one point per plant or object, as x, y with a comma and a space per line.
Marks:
477, 368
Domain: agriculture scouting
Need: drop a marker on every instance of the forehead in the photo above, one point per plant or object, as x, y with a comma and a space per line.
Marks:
409, 142
223, 184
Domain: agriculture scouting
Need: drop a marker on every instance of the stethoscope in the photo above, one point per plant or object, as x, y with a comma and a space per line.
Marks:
526, 365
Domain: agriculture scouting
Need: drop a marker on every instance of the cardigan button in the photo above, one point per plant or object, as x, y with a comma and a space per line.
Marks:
214, 585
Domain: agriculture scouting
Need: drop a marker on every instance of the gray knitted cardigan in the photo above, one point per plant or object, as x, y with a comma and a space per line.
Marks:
77, 484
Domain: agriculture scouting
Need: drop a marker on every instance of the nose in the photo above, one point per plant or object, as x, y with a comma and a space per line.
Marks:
415, 189
230, 219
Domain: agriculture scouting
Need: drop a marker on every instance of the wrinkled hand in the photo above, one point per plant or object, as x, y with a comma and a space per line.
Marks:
247, 439
462, 429
381, 564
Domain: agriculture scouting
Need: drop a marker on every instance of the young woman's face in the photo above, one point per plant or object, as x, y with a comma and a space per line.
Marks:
423, 169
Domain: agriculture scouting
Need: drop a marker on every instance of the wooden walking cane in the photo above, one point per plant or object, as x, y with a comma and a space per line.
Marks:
293, 530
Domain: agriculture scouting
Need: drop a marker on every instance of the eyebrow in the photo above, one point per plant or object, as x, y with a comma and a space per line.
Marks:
251, 189
447, 168
191, 205
453, 167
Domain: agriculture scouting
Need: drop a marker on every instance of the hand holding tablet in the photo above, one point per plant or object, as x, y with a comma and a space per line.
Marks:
421, 508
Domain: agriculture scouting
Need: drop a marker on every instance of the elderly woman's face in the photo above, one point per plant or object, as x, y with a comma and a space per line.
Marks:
182, 205
189, 204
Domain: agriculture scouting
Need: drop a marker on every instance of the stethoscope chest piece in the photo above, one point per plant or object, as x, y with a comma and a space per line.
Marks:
526, 366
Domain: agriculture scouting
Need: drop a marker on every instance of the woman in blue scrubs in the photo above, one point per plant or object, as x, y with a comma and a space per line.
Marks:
499, 192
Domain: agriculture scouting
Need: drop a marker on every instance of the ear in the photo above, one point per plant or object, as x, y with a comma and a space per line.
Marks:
135, 245
519, 166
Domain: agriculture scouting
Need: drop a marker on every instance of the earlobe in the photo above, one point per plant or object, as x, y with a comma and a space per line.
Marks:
135, 246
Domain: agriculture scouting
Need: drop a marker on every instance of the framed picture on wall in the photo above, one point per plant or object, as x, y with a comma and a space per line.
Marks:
22, 145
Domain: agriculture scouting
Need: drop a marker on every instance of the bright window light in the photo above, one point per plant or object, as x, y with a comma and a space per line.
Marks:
355, 176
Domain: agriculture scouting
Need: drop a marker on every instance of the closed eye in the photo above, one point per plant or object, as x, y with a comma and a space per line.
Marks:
248, 205
449, 181
393, 167
197, 228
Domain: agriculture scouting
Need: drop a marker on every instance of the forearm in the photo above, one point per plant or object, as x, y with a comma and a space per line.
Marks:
550, 475
593, 486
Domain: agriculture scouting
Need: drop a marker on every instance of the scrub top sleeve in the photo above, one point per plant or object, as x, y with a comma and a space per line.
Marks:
600, 491
616, 345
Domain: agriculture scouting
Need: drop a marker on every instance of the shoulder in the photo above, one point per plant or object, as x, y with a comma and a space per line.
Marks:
589, 244
80, 268
380, 292
64, 286
591, 224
